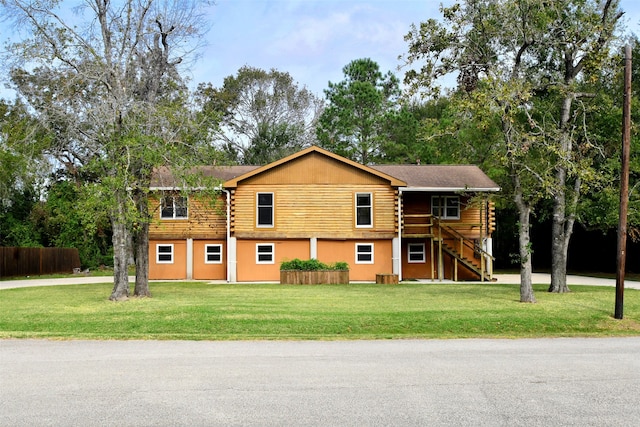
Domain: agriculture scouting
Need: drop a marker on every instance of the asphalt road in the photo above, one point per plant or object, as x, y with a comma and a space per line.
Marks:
541, 382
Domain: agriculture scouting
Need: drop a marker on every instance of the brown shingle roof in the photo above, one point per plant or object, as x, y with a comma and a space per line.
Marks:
416, 177
163, 178
441, 177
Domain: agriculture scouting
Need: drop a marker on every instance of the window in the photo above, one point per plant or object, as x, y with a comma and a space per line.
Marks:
264, 253
213, 254
174, 207
164, 254
446, 207
264, 205
364, 253
364, 210
416, 252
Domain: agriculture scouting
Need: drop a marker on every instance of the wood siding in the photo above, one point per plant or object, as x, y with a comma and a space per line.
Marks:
314, 196
312, 210
473, 222
314, 168
205, 221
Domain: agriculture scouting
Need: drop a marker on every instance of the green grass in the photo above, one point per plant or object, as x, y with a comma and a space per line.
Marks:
201, 311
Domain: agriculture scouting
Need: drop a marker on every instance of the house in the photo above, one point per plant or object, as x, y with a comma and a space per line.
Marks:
416, 221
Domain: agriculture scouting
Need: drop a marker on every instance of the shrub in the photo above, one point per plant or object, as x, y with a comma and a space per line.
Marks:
340, 265
312, 265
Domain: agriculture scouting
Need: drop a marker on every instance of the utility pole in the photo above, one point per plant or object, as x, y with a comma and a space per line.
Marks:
624, 185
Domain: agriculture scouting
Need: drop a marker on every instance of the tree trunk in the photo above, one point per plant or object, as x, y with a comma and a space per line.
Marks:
562, 229
141, 237
524, 240
558, 237
560, 232
141, 242
120, 290
142, 261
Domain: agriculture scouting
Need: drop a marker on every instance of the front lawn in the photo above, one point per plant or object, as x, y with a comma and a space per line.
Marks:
201, 311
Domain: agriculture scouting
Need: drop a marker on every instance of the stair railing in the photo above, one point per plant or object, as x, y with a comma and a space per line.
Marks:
484, 256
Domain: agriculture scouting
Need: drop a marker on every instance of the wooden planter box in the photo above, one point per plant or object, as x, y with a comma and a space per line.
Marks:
316, 277
387, 279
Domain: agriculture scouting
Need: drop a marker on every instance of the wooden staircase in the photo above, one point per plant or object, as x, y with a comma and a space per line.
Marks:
465, 252
454, 244
467, 263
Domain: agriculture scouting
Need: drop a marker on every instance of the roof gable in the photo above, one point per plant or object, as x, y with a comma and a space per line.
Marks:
314, 165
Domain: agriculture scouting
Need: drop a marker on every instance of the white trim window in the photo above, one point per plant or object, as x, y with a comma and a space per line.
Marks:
364, 210
445, 207
364, 253
264, 210
174, 207
213, 254
416, 253
164, 253
265, 253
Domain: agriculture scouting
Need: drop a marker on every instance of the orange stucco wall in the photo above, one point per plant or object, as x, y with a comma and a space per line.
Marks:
175, 270
336, 250
418, 270
204, 271
423, 270
249, 271
329, 251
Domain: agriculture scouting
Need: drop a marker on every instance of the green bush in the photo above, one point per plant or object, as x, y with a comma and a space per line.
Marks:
312, 265
341, 266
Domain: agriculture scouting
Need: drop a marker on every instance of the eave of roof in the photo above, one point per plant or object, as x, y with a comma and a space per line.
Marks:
163, 179
451, 189
441, 178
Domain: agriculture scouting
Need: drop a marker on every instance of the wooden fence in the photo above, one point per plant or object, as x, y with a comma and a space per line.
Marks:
37, 261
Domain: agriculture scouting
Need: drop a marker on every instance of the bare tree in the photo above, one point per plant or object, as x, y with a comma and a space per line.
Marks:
104, 80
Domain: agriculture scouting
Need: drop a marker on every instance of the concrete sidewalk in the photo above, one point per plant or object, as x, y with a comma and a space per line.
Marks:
545, 279
510, 279
80, 280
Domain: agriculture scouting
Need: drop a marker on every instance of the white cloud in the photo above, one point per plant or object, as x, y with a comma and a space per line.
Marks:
314, 39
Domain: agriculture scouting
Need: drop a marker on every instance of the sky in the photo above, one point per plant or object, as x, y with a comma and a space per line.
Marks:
314, 39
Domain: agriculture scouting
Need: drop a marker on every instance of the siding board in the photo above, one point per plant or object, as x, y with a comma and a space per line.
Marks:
315, 211
204, 222
314, 168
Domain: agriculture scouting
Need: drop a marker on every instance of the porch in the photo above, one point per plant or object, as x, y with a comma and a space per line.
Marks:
456, 248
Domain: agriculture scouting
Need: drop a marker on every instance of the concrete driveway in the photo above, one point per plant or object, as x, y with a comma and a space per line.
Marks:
542, 382
537, 278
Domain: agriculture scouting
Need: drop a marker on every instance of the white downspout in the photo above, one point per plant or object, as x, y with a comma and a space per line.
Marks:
231, 249
313, 248
189, 258
399, 259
